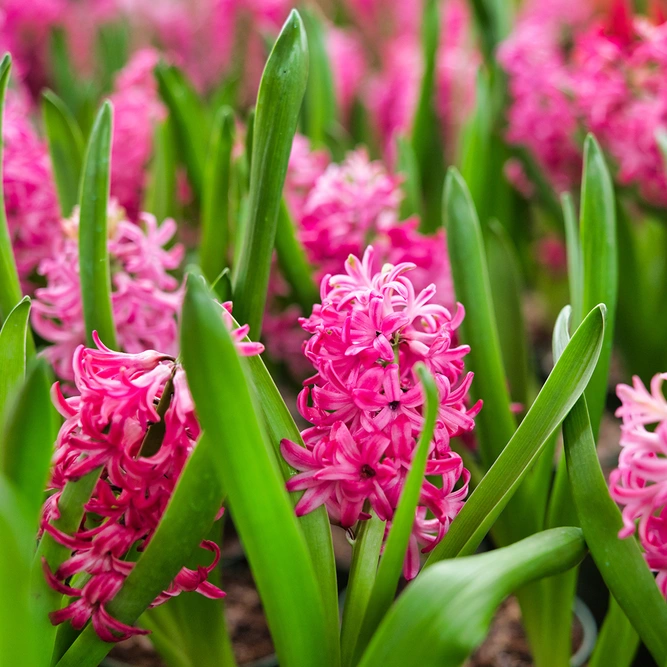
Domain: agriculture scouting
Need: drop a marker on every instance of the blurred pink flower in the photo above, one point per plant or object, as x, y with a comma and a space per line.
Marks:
639, 483
305, 167
33, 214
366, 404
145, 297
348, 66
119, 396
137, 110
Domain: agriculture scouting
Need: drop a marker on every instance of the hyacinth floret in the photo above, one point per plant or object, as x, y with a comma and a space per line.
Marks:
366, 405
106, 429
145, 297
639, 483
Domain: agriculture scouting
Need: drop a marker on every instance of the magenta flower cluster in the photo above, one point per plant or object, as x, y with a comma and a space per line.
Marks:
339, 209
366, 403
145, 297
119, 397
640, 481
572, 70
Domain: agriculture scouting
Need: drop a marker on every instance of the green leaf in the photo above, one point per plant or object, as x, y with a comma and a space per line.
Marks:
160, 195
365, 554
13, 338
617, 642
406, 165
186, 522
190, 122
445, 614
280, 93
215, 217
293, 262
319, 105
425, 125
598, 245
507, 292
391, 563
563, 387
112, 50
28, 435
279, 424
262, 511
65, 148
494, 22
495, 423
575, 261
93, 236
601, 521
24, 626
10, 288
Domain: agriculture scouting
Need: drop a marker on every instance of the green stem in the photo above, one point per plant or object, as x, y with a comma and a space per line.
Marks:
365, 556
618, 641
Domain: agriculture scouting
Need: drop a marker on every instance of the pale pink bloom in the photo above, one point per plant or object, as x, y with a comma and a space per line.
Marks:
639, 483
145, 297
105, 429
137, 110
33, 214
366, 403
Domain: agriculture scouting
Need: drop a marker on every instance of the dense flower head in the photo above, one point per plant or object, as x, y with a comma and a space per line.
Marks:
573, 70
365, 402
33, 215
106, 429
145, 297
639, 483
137, 110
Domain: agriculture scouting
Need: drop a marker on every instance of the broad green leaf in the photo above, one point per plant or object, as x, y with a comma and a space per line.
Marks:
445, 614
215, 217
262, 511
28, 437
160, 196
319, 105
393, 556
24, 626
186, 522
279, 424
278, 101
507, 292
93, 236
600, 519
406, 165
66, 149
190, 122
10, 288
575, 261
599, 251
563, 387
475, 149
425, 125
365, 554
617, 642
13, 338
293, 262
495, 423
112, 50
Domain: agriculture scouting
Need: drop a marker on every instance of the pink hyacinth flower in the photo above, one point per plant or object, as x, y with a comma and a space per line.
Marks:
366, 404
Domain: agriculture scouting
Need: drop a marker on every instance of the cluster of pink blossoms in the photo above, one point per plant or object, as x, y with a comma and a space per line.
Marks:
366, 403
338, 210
145, 297
572, 70
137, 110
640, 481
33, 214
119, 397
